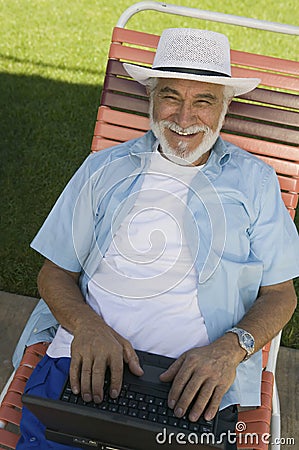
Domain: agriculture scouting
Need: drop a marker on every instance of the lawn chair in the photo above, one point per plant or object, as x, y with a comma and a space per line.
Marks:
264, 122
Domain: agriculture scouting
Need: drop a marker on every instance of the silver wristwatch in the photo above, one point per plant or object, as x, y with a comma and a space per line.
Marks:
246, 340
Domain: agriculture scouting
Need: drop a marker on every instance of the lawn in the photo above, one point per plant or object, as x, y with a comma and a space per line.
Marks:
52, 61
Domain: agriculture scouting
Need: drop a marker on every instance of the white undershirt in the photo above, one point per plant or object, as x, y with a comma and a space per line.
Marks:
145, 287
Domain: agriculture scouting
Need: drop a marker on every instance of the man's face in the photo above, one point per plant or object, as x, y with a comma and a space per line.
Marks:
187, 116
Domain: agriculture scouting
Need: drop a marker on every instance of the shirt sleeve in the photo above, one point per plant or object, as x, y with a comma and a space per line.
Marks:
274, 237
55, 240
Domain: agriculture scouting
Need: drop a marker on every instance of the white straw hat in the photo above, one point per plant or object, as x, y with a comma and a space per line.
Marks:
193, 54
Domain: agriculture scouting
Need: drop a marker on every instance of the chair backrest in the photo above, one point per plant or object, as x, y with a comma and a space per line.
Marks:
264, 122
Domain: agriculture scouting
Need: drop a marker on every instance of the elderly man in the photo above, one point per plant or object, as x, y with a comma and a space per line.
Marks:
176, 243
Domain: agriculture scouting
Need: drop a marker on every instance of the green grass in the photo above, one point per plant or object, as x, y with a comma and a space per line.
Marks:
52, 61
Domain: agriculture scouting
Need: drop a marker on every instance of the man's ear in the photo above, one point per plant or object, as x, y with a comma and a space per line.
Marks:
230, 99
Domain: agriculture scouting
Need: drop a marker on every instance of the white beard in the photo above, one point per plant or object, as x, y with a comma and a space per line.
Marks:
181, 155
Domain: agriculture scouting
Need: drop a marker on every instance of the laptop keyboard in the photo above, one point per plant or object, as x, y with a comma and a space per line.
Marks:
148, 406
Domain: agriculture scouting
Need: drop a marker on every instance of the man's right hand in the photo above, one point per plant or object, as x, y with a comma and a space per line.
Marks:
95, 347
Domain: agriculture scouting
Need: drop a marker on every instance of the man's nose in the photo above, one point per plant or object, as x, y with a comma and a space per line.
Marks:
185, 115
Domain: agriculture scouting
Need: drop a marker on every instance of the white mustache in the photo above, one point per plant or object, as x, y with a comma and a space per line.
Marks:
193, 129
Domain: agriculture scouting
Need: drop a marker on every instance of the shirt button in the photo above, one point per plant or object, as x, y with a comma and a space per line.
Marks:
35, 330
32, 439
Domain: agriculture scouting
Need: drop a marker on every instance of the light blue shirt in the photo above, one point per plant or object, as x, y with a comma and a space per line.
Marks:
240, 235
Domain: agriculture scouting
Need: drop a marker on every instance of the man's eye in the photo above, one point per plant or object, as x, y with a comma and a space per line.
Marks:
203, 103
169, 97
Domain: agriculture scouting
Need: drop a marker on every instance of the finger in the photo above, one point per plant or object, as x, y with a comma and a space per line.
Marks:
178, 385
203, 397
172, 370
86, 371
97, 381
188, 394
131, 358
214, 403
116, 374
74, 373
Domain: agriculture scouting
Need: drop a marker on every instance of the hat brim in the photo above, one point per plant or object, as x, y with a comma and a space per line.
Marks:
240, 86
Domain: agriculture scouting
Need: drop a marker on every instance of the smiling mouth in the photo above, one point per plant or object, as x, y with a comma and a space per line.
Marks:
188, 132
185, 134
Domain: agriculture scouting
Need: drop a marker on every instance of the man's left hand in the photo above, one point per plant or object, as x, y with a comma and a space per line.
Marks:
203, 374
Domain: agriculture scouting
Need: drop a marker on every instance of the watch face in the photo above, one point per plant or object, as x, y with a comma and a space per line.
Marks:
248, 341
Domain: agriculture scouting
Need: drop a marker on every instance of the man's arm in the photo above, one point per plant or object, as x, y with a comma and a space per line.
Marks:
95, 345
210, 370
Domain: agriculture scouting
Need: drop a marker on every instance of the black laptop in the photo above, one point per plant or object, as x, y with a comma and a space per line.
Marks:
139, 419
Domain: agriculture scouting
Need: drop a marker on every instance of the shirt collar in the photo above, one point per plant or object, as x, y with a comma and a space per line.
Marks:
143, 146
220, 155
